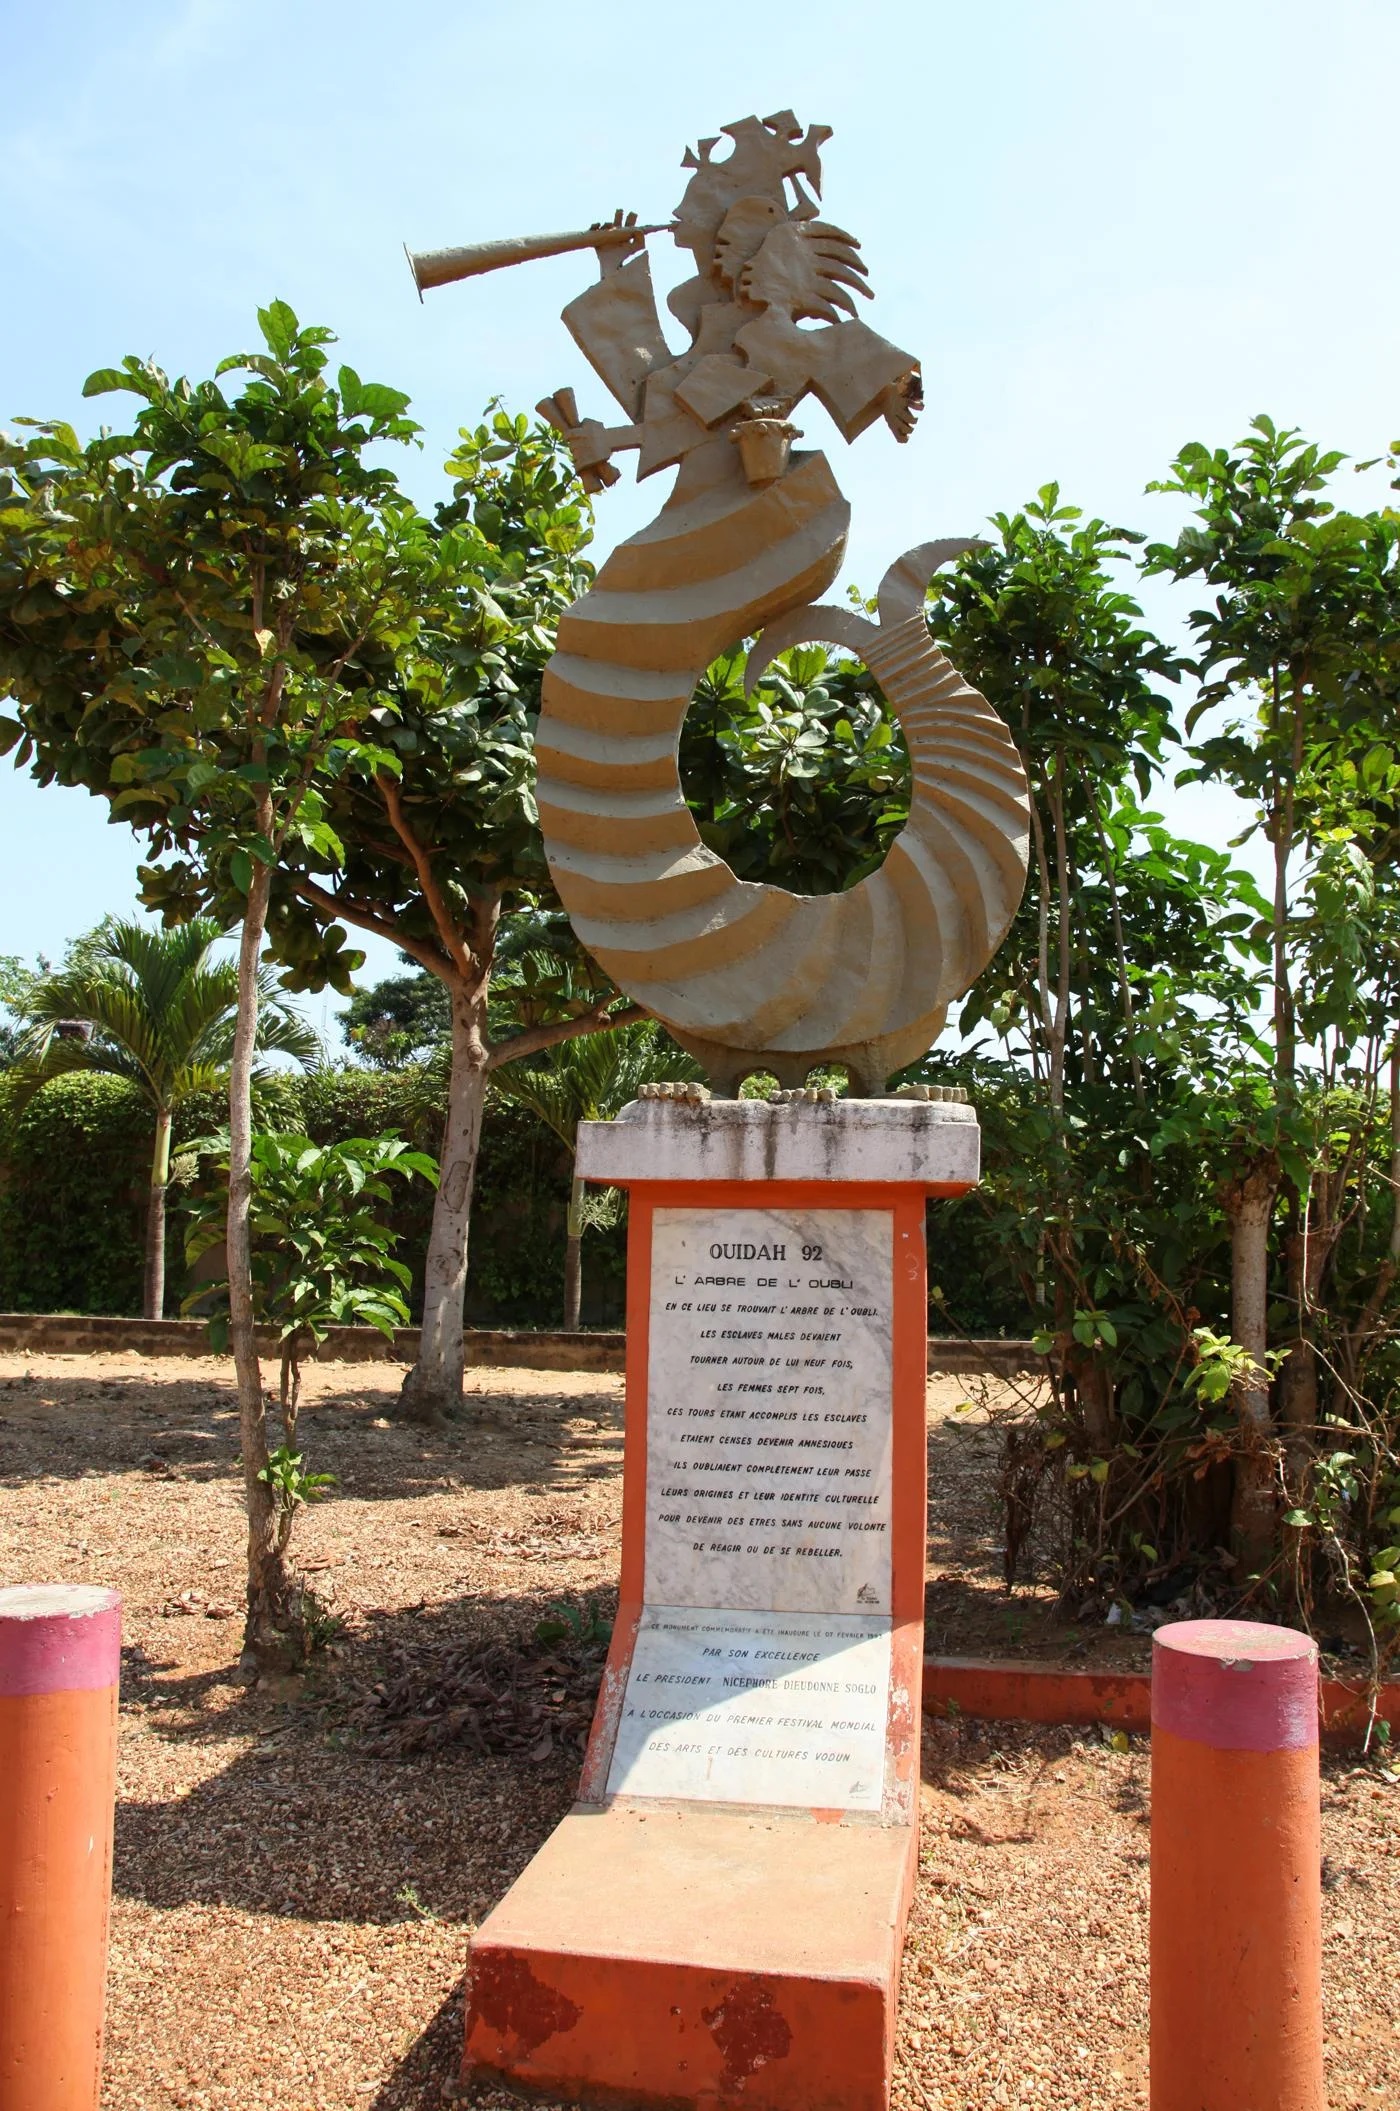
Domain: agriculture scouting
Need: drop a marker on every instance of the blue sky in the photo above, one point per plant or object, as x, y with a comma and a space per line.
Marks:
1105, 228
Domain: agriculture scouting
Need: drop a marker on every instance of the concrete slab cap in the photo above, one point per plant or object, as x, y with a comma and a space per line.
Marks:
741, 1891
931, 1143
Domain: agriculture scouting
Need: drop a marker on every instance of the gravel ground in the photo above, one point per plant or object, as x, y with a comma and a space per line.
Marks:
291, 1913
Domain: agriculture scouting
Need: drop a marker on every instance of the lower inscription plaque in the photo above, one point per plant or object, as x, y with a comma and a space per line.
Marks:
776, 1708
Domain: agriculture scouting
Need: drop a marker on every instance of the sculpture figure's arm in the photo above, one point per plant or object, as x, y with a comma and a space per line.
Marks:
859, 376
590, 442
615, 323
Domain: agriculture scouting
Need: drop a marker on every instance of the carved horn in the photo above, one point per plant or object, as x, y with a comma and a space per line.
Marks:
441, 267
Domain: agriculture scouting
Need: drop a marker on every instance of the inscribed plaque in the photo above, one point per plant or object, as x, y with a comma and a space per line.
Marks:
769, 1410
777, 1708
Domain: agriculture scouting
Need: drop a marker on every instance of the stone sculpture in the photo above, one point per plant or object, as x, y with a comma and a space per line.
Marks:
746, 976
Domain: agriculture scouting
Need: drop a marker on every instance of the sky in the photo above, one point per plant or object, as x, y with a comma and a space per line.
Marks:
1104, 227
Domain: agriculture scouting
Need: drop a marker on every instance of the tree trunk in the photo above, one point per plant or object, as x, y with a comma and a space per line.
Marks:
1095, 1390
1358, 1341
1249, 1205
268, 1637
573, 1256
1059, 1032
153, 1301
1308, 1253
433, 1388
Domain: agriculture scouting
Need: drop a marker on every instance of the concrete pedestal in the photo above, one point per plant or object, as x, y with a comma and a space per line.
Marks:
720, 1919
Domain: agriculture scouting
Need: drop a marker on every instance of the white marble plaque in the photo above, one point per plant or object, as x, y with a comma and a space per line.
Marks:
769, 1410
776, 1708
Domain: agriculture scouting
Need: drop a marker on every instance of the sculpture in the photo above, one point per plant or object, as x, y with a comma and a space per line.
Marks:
747, 976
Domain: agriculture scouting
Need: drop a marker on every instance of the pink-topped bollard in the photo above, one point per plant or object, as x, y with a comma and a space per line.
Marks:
1236, 1943
60, 1663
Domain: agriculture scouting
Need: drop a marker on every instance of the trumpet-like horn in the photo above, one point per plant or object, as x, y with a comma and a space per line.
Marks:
441, 267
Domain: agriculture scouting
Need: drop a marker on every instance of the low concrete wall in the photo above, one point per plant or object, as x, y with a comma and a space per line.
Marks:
1006, 1359
998, 1690
73, 1334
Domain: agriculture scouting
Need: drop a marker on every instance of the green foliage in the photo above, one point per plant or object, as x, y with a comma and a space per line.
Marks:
1221, 1365
74, 1164
16, 982
442, 747
162, 1014
1128, 1088
806, 783
159, 1013
583, 1627
185, 607
74, 1168
186, 614
292, 1487
74, 1173
402, 1019
322, 1257
592, 1078
1304, 597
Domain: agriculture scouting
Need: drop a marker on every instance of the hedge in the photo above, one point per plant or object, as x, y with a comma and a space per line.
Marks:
74, 1166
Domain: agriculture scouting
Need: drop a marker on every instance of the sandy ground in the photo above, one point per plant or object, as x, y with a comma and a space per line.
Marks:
292, 1908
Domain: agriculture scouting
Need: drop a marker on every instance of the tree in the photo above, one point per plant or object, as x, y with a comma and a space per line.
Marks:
1302, 631
1034, 619
590, 1079
436, 840
189, 614
401, 1019
805, 783
16, 981
1126, 982
161, 1014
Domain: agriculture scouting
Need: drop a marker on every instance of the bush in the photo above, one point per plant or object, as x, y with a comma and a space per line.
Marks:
74, 1167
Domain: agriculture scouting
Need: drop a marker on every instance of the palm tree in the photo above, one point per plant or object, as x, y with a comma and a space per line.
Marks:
590, 1079
149, 1006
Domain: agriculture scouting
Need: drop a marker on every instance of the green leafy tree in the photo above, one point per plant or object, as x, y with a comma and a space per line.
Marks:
436, 833
1302, 634
1123, 992
399, 1020
321, 1256
16, 981
189, 616
153, 1007
590, 1079
1035, 619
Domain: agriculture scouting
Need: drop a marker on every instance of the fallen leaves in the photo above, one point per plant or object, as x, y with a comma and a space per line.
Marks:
298, 1873
191, 1603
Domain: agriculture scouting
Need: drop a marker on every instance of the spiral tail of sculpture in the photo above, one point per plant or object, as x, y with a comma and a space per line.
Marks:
751, 976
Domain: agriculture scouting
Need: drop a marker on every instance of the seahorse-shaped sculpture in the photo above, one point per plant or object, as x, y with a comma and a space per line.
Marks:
751, 976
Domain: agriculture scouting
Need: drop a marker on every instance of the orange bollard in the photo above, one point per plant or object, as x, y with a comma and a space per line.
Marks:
1236, 1943
60, 1661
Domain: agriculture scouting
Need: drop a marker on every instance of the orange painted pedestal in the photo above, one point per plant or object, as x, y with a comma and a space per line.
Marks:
719, 1921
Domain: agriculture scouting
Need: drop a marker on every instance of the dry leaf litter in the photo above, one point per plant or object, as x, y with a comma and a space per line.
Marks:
298, 1870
